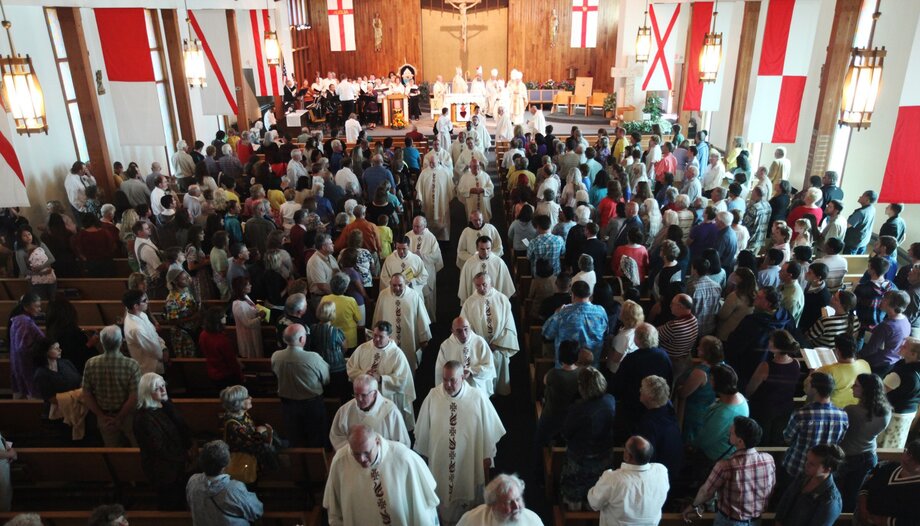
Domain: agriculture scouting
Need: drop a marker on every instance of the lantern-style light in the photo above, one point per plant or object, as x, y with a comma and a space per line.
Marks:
272, 48
193, 57
20, 90
711, 53
644, 39
863, 82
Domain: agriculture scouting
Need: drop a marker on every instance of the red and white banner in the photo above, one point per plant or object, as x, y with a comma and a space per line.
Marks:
252, 25
341, 24
706, 96
132, 81
900, 182
785, 53
12, 179
584, 23
659, 70
210, 27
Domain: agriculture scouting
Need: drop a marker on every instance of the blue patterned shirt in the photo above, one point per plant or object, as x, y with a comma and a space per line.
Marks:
546, 246
813, 424
584, 323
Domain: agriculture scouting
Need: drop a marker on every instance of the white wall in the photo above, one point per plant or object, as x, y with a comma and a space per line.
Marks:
868, 152
46, 159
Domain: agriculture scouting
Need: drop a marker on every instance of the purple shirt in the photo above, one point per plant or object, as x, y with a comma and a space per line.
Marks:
882, 348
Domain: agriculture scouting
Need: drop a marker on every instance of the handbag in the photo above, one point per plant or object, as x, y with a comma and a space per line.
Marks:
243, 467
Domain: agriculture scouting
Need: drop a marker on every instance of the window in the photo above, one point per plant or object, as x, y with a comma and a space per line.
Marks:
70, 96
155, 40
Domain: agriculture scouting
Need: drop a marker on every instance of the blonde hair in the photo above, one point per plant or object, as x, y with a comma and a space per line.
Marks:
631, 314
325, 312
135, 279
657, 389
812, 195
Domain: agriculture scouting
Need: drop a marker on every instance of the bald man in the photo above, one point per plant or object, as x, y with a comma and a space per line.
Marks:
471, 350
475, 189
434, 191
424, 244
616, 494
405, 309
301, 377
373, 480
489, 313
478, 227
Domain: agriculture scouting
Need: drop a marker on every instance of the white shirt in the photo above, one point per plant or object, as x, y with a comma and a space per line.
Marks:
144, 344
345, 91
155, 196
631, 495
344, 177
352, 130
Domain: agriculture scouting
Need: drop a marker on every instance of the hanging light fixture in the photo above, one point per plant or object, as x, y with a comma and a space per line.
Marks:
863, 81
272, 48
21, 91
193, 57
711, 53
644, 39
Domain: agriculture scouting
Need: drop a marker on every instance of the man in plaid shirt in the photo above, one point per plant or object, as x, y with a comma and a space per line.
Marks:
546, 246
742, 483
818, 422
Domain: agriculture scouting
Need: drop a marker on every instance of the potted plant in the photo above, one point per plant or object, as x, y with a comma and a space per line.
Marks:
610, 105
652, 110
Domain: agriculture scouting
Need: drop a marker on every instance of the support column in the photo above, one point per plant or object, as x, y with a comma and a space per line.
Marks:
833, 76
744, 68
242, 113
84, 85
171, 27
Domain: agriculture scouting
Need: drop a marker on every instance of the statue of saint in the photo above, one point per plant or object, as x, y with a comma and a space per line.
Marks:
553, 28
378, 32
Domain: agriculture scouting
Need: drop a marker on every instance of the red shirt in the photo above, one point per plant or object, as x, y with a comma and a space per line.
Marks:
799, 212
639, 253
606, 210
668, 163
244, 152
220, 357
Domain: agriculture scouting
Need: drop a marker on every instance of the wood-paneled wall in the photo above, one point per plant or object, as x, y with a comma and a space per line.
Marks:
529, 42
401, 39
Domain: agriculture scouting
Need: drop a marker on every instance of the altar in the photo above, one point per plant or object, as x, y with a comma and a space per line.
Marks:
396, 102
461, 105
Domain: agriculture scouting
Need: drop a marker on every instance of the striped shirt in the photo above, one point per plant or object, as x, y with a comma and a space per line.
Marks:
813, 424
825, 330
707, 295
678, 336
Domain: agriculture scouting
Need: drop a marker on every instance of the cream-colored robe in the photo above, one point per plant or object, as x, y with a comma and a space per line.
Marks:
391, 365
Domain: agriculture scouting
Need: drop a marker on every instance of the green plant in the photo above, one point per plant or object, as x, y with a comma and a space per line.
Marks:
610, 102
423, 89
653, 107
644, 127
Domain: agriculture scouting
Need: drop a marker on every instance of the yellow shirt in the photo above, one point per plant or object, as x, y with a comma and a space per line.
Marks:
515, 174
385, 234
619, 148
347, 317
276, 199
844, 375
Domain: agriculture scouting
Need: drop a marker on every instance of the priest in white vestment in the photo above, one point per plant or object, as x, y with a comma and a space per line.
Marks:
382, 359
517, 96
504, 130
434, 190
504, 505
489, 314
376, 481
478, 87
424, 244
479, 130
402, 261
475, 190
458, 146
440, 155
537, 122
458, 433
458, 84
438, 90
368, 408
493, 91
488, 262
470, 152
473, 351
466, 245
405, 309
443, 127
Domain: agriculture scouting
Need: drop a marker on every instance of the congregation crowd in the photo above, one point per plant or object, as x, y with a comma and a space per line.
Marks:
679, 290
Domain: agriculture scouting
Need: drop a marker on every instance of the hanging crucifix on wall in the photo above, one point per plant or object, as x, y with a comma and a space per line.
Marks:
463, 6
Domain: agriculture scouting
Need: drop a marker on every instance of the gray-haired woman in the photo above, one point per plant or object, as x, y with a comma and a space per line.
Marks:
241, 433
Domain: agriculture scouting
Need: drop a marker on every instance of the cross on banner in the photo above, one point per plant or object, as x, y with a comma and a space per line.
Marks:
665, 47
584, 23
341, 24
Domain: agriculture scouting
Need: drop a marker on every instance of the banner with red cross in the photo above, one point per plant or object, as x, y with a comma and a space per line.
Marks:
341, 24
584, 23
659, 70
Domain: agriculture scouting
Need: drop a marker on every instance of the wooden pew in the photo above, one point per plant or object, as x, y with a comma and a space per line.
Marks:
171, 518
561, 517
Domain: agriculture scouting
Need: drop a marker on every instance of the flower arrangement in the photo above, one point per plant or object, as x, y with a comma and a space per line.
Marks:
563, 85
397, 121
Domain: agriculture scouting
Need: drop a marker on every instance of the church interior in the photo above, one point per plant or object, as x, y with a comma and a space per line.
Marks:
684, 227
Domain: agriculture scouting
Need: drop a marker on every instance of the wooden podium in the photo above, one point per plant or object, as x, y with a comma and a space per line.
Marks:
393, 103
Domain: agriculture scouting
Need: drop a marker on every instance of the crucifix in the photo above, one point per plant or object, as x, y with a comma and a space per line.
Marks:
463, 6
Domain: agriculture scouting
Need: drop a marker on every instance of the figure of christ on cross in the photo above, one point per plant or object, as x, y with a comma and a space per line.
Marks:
463, 6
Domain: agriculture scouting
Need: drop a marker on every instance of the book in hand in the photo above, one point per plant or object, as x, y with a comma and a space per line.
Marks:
818, 357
